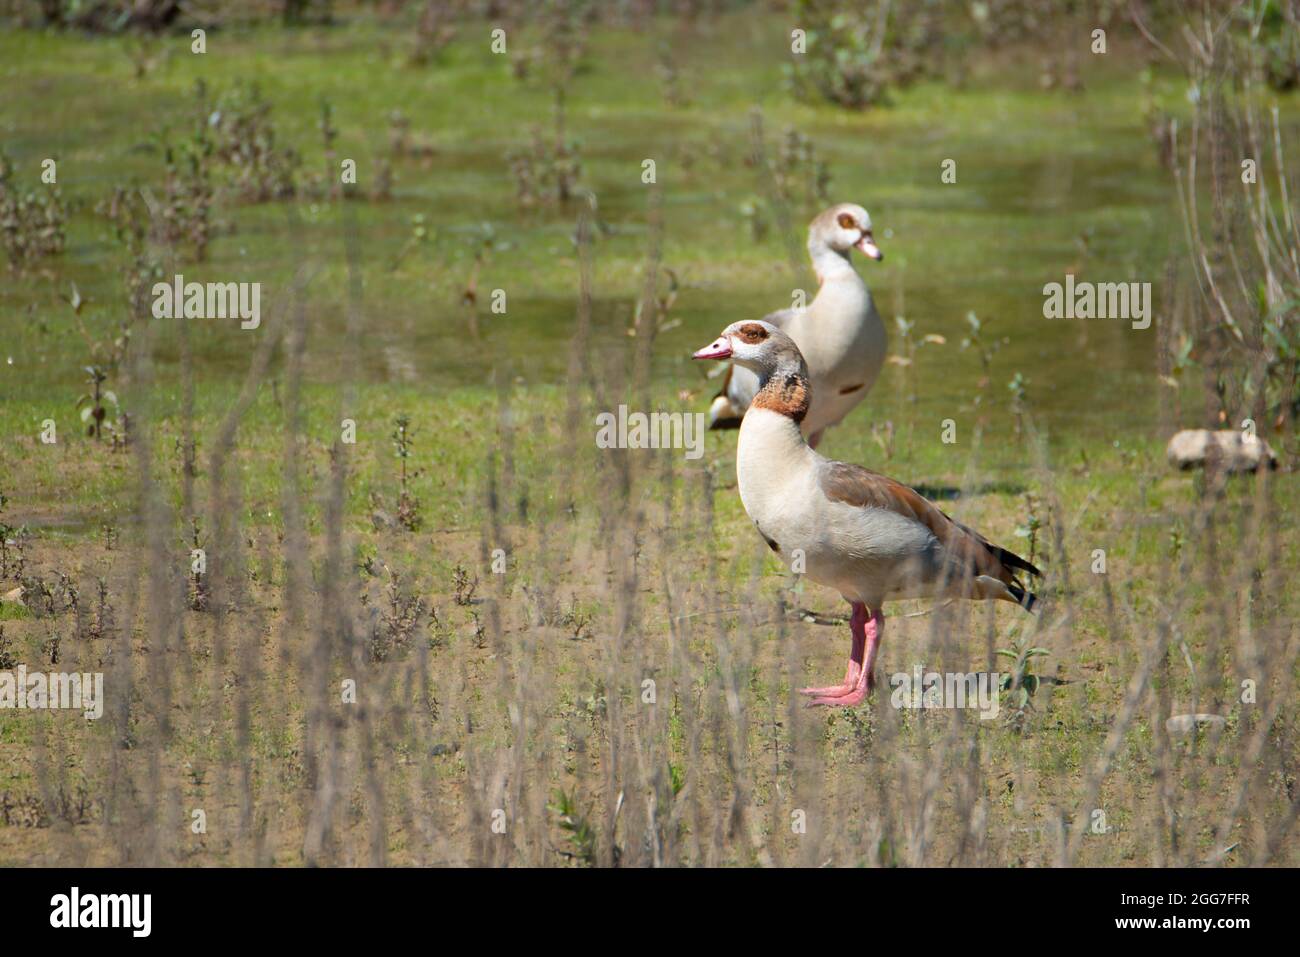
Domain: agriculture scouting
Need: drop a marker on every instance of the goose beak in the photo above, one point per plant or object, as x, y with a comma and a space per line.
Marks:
867, 246
720, 348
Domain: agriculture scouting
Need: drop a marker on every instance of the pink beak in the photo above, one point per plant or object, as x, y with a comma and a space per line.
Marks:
867, 246
720, 348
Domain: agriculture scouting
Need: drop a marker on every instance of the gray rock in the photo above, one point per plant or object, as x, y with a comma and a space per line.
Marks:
1184, 723
1224, 450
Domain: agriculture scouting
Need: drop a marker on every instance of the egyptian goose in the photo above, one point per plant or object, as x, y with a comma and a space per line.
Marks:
862, 533
840, 332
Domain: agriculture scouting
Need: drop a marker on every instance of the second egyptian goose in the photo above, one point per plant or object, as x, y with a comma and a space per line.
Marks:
840, 333
867, 536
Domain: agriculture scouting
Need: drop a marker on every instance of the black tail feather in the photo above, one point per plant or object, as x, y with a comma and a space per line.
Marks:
1012, 560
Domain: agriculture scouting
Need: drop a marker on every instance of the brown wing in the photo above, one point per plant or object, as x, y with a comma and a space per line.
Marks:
855, 485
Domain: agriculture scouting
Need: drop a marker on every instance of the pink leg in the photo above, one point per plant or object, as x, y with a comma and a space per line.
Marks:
858, 680
856, 623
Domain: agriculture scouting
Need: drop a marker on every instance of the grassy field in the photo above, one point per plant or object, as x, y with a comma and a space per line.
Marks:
586, 656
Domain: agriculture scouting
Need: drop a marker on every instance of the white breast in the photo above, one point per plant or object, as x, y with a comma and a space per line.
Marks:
867, 554
776, 478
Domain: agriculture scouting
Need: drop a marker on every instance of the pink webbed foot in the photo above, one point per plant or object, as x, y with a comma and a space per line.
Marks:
830, 691
834, 691
850, 699
858, 680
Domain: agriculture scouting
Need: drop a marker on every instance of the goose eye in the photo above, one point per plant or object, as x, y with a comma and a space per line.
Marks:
846, 221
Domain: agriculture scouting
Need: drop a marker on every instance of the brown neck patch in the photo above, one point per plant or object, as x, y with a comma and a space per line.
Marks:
786, 393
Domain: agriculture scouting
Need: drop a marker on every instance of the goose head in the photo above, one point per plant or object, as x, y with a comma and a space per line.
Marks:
758, 346
841, 228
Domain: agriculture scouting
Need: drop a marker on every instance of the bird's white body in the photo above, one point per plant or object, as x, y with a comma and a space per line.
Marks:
840, 334
864, 534
842, 339
867, 554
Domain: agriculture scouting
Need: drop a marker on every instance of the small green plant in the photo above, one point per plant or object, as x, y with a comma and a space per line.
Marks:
107, 355
100, 624
1018, 387
367, 559
676, 778
978, 339
1022, 682
418, 236
45, 599
94, 404
198, 596
576, 619
1033, 525
464, 585
32, 221
439, 633
13, 546
185, 212
480, 633
886, 853
408, 506
577, 831
244, 143
7, 660
391, 635
27, 811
